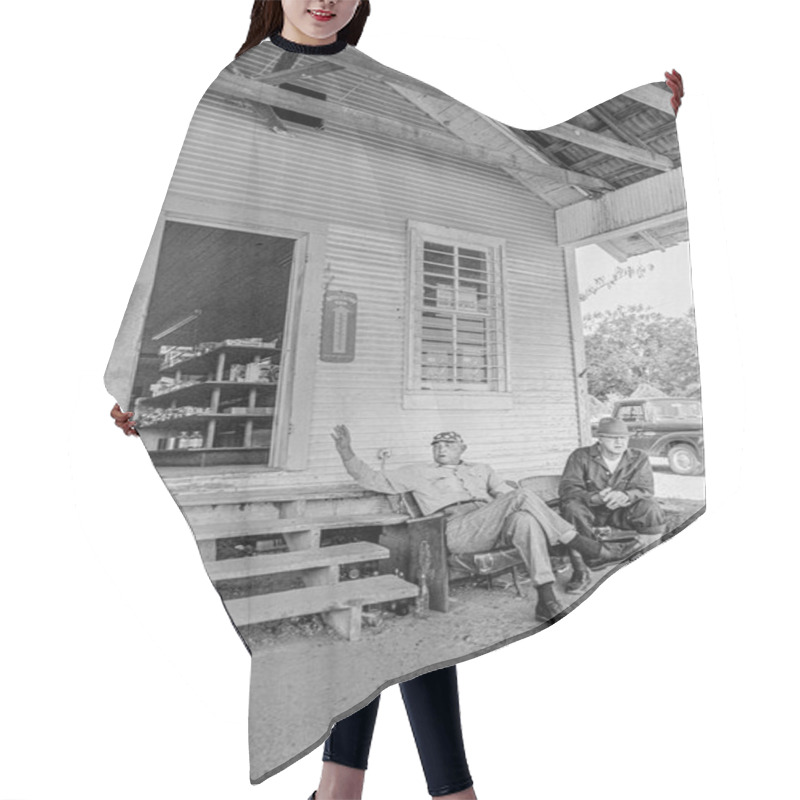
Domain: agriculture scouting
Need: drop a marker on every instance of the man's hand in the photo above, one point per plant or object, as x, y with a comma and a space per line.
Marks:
341, 438
616, 499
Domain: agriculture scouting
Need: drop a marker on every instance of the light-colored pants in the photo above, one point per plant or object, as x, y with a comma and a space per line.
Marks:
520, 518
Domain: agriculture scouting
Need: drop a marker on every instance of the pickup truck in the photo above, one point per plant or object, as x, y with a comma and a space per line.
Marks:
666, 426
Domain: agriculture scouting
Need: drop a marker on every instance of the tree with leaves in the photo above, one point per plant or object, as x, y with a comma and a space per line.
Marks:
632, 345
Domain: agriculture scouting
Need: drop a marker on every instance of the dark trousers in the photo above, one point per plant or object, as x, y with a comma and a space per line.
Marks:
432, 706
644, 516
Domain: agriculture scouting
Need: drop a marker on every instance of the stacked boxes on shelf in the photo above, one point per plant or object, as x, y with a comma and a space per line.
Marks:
174, 406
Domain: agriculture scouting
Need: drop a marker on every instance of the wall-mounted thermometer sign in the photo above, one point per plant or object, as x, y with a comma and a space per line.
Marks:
339, 311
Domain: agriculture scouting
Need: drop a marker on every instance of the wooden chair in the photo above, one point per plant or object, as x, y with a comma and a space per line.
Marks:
485, 565
419, 553
494, 563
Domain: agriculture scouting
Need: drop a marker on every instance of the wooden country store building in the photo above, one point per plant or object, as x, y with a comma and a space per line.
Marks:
341, 243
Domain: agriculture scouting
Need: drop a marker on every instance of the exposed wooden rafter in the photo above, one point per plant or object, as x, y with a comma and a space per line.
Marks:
652, 96
598, 112
614, 251
229, 84
360, 63
481, 125
263, 113
652, 240
611, 147
297, 73
438, 109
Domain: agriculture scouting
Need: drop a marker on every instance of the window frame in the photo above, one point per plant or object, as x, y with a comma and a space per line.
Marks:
638, 417
494, 394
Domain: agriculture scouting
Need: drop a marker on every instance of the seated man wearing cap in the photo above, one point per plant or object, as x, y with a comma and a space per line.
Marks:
608, 484
483, 511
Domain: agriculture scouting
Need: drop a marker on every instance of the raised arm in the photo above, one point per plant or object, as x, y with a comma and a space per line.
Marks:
366, 476
343, 442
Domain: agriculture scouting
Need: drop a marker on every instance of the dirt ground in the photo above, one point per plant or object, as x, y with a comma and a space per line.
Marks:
679, 487
304, 674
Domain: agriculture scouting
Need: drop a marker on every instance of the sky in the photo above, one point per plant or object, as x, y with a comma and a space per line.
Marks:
667, 288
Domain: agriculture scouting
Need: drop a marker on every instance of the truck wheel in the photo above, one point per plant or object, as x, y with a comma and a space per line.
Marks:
683, 460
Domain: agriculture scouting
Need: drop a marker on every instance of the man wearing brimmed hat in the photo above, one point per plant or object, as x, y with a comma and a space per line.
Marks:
483, 511
608, 484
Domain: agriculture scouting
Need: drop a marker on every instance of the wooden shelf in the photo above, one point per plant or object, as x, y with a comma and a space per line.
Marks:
207, 362
201, 419
209, 449
186, 394
210, 456
203, 408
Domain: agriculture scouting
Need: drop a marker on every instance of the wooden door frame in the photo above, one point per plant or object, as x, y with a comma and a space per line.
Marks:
301, 326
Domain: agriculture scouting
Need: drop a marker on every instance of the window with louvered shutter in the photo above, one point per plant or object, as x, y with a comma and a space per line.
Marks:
458, 337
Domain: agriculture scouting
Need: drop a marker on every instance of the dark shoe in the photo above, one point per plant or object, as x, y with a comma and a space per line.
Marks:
612, 554
313, 795
548, 610
579, 581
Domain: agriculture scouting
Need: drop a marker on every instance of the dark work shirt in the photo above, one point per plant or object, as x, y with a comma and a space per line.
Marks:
586, 473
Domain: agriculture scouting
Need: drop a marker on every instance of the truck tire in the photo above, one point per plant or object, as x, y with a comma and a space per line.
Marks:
683, 460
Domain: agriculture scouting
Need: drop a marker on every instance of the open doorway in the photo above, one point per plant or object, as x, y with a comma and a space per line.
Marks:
207, 383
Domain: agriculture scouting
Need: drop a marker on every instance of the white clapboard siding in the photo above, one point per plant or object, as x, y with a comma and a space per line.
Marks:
366, 188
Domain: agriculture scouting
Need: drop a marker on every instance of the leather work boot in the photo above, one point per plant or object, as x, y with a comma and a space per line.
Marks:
579, 582
548, 610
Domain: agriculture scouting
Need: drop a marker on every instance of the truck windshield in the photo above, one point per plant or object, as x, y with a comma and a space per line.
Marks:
676, 409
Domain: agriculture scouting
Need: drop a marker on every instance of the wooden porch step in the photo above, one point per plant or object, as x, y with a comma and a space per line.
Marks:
297, 560
342, 602
208, 531
263, 494
191, 495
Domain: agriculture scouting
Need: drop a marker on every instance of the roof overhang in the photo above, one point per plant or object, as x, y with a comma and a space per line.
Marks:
636, 219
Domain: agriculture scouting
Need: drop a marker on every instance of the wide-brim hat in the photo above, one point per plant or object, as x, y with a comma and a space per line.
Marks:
447, 436
608, 426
